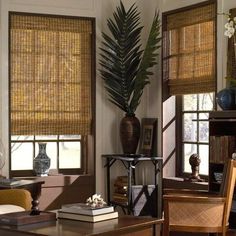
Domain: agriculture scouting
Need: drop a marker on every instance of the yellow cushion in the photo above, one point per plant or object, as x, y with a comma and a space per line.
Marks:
19, 197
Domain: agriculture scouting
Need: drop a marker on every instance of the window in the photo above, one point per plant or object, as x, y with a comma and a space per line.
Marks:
189, 51
188, 83
194, 129
51, 91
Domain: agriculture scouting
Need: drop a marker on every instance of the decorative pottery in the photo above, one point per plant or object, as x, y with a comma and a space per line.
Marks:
129, 134
226, 98
41, 162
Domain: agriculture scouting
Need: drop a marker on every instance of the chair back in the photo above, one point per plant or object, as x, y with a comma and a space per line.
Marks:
227, 187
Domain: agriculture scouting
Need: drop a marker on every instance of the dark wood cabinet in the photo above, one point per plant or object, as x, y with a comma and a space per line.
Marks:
222, 135
222, 132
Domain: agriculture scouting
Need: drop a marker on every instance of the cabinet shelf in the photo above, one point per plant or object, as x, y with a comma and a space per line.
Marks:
115, 203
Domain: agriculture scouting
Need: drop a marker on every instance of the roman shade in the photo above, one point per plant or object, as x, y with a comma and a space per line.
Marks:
50, 74
189, 49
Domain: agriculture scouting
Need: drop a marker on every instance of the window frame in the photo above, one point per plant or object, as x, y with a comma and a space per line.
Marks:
180, 134
87, 141
176, 152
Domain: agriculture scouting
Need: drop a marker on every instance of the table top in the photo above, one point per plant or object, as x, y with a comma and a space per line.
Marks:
71, 227
21, 183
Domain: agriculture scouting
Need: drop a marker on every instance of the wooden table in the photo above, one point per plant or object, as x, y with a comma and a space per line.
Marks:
33, 186
125, 226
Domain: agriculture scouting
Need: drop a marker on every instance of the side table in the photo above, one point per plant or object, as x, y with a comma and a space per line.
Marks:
130, 162
33, 186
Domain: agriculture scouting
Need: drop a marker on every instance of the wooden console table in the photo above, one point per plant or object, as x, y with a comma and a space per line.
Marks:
33, 186
130, 162
123, 226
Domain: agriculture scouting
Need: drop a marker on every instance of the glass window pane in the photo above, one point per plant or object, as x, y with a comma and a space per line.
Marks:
203, 131
206, 101
21, 156
51, 150
190, 102
48, 137
70, 136
69, 155
19, 138
203, 116
190, 127
189, 149
204, 157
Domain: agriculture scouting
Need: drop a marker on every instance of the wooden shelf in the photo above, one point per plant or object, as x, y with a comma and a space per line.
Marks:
222, 131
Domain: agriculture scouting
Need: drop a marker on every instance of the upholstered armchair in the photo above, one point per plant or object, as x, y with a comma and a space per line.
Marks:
190, 211
12, 200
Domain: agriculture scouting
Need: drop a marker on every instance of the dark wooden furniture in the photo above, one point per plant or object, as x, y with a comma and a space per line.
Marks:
130, 162
222, 132
33, 186
126, 226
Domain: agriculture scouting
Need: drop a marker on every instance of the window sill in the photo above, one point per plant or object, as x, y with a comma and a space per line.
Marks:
179, 183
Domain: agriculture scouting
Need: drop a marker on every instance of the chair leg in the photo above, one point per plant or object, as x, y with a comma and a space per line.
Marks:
165, 230
224, 232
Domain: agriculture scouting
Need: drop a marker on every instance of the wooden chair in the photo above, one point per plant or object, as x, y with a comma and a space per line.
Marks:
202, 212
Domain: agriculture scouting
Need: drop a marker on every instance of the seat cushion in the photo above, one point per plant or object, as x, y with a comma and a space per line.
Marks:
7, 208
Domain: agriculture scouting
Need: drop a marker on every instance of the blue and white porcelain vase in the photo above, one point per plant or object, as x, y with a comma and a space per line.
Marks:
41, 162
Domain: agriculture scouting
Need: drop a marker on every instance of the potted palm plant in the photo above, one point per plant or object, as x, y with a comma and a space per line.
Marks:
125, 67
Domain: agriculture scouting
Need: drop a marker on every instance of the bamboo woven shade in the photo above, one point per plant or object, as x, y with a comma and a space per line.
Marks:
50, 75
189, 50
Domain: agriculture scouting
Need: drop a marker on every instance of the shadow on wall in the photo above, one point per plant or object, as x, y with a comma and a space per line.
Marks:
59, 190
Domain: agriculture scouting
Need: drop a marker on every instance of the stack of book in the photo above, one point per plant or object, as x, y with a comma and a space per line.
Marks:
120, 190
84, 212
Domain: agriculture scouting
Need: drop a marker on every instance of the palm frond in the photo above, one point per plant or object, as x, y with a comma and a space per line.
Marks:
149, 59
124, 65
121, 54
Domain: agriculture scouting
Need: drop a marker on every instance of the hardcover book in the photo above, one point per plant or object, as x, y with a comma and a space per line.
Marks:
83, 209
9, 182
87, 218
24, 217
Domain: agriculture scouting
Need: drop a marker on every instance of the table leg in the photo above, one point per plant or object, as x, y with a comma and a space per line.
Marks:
158, 184
35, 190
108, 181
130, 205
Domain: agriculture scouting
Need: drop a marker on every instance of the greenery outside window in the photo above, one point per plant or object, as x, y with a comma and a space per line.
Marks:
51, 91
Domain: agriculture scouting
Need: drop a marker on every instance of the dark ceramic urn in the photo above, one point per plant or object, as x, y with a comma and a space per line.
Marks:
129, 133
